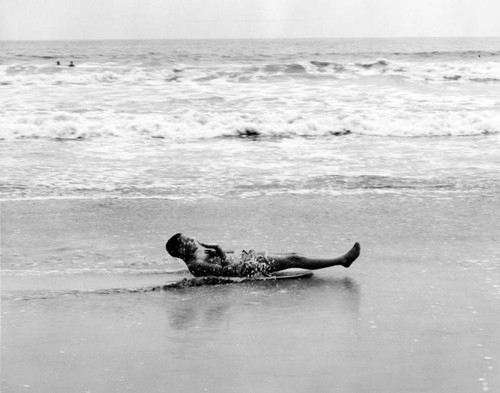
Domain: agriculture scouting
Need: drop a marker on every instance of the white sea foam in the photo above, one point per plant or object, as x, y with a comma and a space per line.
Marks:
311, 98
408, 122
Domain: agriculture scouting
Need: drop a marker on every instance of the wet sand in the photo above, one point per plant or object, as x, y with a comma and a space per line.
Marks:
417, 312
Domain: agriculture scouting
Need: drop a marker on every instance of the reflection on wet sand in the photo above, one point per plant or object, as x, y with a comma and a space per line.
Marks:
277, 330
213, 306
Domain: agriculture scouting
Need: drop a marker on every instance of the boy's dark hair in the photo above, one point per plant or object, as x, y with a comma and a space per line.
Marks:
174, 244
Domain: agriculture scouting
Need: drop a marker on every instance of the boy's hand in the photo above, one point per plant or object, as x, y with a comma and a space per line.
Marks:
211, 252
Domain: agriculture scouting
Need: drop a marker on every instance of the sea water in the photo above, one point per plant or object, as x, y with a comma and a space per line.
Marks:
215, 118
292, 145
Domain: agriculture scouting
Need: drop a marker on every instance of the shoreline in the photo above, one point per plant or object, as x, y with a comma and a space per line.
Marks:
418, 310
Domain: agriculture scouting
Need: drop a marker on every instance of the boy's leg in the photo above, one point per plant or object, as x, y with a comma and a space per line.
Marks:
281, 262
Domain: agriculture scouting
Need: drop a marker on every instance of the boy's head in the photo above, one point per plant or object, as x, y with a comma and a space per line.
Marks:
180, 246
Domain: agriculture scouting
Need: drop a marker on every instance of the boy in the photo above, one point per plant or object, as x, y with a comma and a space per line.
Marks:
210, 260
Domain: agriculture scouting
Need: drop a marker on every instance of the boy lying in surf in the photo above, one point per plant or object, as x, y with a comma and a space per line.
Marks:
210, 260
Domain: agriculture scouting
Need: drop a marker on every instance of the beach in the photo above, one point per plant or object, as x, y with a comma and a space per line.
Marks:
418, 311
286, 145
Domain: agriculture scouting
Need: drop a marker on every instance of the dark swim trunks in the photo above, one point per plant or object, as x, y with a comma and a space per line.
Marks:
251, 264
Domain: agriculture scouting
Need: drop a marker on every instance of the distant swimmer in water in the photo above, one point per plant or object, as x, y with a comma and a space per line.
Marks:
71, 64
210, 260
58, 63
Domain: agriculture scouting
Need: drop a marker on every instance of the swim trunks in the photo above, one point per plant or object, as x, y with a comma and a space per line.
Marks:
250, 264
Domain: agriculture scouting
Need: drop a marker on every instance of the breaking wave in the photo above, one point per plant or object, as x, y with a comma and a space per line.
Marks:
64, 126
470, 71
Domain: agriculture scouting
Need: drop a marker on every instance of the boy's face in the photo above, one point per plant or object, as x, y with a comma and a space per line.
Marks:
189, 246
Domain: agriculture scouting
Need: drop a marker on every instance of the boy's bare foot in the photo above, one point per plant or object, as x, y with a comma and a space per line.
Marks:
351, 256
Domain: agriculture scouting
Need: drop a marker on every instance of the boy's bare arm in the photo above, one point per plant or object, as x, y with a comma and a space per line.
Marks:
218, 251
200, 268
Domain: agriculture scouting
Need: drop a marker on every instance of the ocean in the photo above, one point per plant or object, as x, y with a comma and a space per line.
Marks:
285, 145
216, 118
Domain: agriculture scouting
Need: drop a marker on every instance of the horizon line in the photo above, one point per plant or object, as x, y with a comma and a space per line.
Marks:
248, 38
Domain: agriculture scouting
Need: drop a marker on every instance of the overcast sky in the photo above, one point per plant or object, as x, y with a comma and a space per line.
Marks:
140, 19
